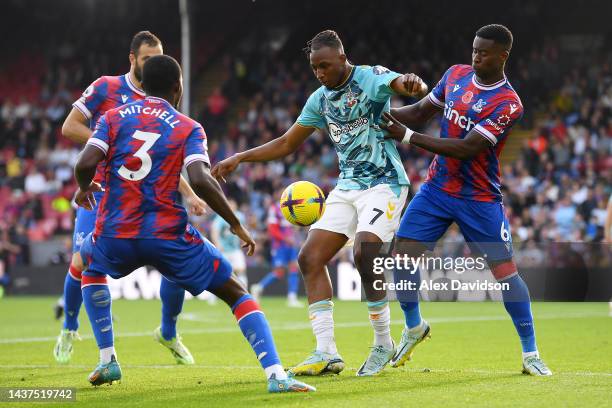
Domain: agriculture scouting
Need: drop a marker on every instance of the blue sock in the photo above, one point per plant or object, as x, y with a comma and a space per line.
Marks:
268, 279
293, 282
256, 330
97, 300
172, 297
517, 303
409, 299
73, 299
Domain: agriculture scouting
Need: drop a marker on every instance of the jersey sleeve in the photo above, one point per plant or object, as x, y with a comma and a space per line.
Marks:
311, 116
437, 96
92, 98
196, 147
380, 79
101, 137
497, 125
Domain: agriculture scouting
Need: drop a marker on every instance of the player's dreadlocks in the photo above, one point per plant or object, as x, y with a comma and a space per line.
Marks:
327, 38
498, 33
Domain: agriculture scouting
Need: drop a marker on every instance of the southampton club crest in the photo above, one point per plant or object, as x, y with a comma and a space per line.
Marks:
351, 100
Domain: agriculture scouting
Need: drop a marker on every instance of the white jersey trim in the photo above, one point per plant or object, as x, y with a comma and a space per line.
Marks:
132, 86
488, 87
488, 135
80, 106
196, 157
100, 144
435, 100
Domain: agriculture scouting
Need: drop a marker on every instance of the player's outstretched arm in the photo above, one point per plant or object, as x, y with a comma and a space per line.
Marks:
417, 114
409, 85
462, 149
84, 172
76, 127
274, 149
207, 188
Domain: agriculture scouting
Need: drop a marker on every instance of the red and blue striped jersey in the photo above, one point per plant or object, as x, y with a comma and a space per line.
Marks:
104, 94
279, 228
491, 110
146, 143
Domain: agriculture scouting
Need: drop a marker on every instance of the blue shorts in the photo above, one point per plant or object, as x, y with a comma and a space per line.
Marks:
84, 223
283, 256
484, 225
190, 261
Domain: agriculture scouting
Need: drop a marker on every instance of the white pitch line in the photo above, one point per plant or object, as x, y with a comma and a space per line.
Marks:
254, 367
306, 326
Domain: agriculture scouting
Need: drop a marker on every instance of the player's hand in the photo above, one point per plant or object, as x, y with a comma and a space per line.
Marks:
196, 205
413, 85
85, 198
225, 167
395, 130
244, 235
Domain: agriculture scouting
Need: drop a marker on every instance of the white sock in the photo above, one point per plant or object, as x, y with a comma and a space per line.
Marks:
380, 318
530, 354
276, 369
292, 296
106, 353
322, 320
417, 330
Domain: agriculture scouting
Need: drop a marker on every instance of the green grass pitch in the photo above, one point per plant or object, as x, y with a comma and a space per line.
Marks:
473, 357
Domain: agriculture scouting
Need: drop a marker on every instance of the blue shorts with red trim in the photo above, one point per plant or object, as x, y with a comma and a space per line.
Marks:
190, 261
484, 225
283, 256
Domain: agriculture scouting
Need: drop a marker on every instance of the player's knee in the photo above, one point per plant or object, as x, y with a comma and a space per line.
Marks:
77, 264
308, 262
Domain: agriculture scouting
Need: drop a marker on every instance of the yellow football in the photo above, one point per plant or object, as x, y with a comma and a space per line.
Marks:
302, 203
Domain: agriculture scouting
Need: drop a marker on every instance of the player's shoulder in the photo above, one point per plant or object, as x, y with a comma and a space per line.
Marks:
109, 80
189, 123
510, 95
371, 70
459, 70
505, 97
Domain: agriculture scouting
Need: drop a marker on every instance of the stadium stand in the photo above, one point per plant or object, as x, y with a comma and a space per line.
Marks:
557, 171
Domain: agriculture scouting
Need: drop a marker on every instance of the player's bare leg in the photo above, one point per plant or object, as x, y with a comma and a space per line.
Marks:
256, 330
416, 329
320, 247
367, 247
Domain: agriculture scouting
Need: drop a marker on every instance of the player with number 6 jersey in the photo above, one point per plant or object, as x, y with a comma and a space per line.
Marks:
463, 186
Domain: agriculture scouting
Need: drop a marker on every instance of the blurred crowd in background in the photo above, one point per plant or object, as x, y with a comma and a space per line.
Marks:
557, 189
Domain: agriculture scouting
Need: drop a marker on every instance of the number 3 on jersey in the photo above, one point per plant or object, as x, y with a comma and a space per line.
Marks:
149, 139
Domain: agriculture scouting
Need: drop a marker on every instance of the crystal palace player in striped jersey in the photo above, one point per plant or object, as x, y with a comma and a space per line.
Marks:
145, 145
105, 93
463, 186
